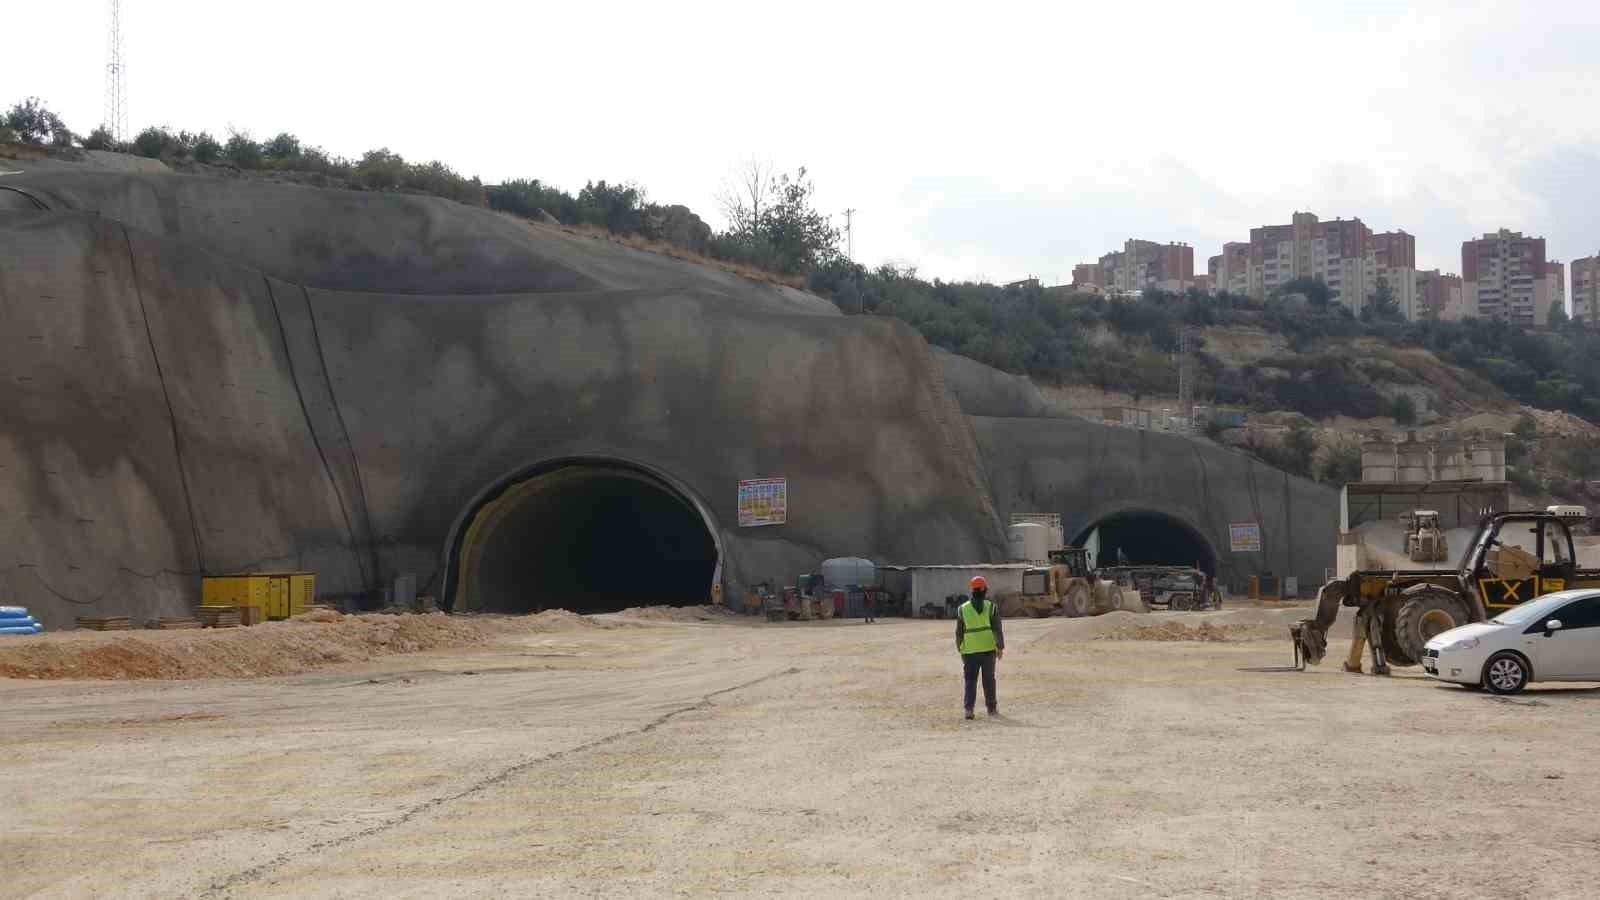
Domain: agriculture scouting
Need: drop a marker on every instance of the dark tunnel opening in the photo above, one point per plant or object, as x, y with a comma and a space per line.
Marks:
1148, 538
591, 539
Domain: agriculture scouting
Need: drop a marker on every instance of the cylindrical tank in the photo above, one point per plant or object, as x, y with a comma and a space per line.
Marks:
1028, 542
847, 571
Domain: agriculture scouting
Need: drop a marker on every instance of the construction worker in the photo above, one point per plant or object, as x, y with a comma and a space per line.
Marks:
981, 642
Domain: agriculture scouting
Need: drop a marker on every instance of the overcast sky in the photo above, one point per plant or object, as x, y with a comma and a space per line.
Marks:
990, 140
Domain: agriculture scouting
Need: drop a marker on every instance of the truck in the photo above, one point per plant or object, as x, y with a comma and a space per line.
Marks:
1178, 588
1512, 558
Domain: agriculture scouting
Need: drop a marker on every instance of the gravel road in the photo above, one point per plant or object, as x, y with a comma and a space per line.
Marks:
825, 759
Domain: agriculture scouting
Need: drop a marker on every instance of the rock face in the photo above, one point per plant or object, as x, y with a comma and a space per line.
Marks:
677, 225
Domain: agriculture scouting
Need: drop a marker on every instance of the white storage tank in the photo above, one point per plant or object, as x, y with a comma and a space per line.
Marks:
847, 571
1028, 542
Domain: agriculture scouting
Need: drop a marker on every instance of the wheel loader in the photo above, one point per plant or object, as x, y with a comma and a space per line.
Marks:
1512, 558
1067, 587
1424, 539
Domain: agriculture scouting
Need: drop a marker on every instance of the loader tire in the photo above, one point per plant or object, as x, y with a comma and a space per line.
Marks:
1077, 602
1421, 616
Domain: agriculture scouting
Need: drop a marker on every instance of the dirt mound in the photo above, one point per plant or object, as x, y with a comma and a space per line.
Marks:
1248, 624
703, 613
1173, 630
314, 640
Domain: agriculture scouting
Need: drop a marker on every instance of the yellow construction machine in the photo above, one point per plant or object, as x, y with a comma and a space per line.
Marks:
1512, 558
1067, 587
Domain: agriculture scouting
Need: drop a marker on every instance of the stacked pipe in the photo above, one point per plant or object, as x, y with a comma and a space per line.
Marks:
15, 620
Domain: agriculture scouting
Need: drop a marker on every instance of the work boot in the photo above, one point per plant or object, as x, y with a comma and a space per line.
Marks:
1354, 670
994, 710
969, 714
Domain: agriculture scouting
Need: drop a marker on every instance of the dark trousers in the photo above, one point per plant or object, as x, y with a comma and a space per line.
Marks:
971, 665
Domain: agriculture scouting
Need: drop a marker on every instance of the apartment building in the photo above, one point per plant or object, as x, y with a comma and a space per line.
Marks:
1394, 262
1439, 297
1344, 253
1586, 288
1505, 276
1555, 278
1140, 265
1088, 278
1230, 270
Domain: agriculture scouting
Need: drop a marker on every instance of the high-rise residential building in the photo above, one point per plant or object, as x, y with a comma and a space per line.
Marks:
1504, 276
1394, 257
1230, 270
1586, 288
1439, 297
1555, 279
1343, 253
1140, 265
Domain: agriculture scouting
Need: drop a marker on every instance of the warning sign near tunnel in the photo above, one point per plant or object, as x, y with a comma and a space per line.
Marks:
1244, 537
763, 501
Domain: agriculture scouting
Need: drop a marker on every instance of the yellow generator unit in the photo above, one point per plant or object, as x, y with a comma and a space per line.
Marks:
278, 595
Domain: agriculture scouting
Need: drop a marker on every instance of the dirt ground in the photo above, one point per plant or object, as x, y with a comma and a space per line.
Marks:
825, 759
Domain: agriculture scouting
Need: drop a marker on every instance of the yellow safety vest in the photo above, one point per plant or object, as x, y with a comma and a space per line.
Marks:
977, 630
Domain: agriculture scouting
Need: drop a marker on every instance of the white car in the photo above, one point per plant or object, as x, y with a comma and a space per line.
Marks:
1552, 638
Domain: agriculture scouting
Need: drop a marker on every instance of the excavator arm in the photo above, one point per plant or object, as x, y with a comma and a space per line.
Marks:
1310, 636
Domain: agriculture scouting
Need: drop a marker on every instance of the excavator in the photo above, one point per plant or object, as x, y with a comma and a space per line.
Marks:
1512, 558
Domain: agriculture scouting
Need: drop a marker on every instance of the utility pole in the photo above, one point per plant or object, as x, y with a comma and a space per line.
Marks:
1187, 339
116, 111
850, 254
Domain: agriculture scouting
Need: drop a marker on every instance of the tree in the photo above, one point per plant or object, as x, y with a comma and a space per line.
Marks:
242, 150
381, 170
34, 123
1382, 305
1315, 290
1558, 314
1301, 445
1342, 464
100, 139
284, 146
1403, 409
746, 199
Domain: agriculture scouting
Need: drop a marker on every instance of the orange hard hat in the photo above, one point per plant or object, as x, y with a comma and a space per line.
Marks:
978, 583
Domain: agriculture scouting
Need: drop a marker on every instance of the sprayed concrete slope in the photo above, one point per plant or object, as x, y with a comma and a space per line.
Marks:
192, 386
207, 375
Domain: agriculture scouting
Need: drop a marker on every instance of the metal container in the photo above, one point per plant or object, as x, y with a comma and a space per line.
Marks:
278, 595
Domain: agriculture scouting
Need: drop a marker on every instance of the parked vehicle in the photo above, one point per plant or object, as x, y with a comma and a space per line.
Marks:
1553, 638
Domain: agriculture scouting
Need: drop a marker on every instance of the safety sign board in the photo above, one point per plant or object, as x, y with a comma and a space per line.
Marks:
1245, 537
763, 501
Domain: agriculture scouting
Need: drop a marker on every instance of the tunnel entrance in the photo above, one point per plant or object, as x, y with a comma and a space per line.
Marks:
589, 536
1147, 538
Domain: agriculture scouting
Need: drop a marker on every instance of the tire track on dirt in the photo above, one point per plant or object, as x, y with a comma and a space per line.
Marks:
255, 873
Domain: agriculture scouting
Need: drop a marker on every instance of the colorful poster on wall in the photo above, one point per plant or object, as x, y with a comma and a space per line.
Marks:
763, 501
1245, 537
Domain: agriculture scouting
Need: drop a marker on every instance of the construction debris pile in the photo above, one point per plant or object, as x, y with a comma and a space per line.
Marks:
315, 640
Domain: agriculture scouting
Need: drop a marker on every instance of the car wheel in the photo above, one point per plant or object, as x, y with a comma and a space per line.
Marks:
1505, 673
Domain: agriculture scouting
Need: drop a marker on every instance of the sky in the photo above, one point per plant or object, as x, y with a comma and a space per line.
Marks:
995, 140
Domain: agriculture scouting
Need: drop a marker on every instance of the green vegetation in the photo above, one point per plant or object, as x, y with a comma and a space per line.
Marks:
1047, 333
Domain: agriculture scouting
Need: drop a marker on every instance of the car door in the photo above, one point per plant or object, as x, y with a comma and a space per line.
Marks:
1571, 651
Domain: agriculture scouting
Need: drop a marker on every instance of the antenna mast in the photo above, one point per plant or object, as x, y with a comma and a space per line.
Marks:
116, 113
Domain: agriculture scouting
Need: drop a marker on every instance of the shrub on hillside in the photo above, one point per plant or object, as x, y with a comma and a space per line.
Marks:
31, 122
242, 150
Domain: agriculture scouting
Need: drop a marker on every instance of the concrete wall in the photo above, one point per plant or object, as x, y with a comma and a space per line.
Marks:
1087, 471
171, 411
211, 376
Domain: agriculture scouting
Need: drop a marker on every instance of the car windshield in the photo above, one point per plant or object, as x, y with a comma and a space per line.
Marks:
1533, 609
